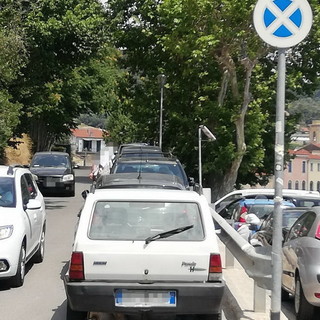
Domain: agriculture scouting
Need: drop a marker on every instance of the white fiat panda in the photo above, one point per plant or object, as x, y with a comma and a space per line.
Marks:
149, 251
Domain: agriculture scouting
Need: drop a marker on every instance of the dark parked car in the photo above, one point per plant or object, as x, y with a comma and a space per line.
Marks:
54, 171
142, 180
171, 166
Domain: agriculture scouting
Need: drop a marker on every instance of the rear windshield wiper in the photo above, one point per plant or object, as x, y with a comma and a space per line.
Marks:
167, 233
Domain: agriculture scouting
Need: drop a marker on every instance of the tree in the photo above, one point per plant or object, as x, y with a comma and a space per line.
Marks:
12, 59
71, 68
219, 73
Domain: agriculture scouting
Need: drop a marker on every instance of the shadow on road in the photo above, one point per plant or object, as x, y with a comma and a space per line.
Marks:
5, 284
52, 204
60, 312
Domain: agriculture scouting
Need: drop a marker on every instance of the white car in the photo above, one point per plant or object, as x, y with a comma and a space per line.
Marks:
150, 250
300, 198
22, 223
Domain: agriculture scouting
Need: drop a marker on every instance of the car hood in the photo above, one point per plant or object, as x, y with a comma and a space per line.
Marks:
50, 171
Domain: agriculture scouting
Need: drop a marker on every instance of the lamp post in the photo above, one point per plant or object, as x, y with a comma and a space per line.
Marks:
162, 81
210, 137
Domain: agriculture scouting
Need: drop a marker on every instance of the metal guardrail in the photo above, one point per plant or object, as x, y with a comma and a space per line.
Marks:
256, 261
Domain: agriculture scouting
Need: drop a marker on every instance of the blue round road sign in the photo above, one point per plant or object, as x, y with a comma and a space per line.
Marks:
282, 23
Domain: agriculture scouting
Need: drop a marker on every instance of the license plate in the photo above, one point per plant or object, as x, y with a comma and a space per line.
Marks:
145, 298
51, 182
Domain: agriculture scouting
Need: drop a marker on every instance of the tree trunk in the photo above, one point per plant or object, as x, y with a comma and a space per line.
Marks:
226, 182
42, 140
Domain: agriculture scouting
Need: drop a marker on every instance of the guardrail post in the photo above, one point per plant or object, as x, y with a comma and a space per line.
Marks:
229, 258
259, 298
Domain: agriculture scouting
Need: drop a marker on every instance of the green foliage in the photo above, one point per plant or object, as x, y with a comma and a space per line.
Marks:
12, 59
71, 68
206, 49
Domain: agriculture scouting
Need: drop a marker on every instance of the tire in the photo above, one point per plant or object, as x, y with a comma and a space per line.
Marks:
18, 279
39, 255
304, 310
76, 315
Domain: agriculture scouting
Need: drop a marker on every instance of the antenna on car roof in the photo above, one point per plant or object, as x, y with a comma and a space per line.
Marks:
10, 170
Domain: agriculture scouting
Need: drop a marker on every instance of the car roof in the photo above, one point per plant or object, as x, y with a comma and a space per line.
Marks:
7, 171
146, 195
139, 180
148, 160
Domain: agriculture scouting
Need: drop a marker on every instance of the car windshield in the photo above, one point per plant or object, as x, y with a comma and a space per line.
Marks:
50, 160
138, 221
7, 192
147, 167
261, 210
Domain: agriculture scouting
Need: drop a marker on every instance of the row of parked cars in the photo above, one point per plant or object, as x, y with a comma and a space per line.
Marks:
251, 211
145, 243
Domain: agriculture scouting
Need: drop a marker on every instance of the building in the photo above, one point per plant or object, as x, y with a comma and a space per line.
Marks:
88, 145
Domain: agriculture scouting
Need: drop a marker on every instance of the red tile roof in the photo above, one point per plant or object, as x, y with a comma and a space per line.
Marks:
88, 132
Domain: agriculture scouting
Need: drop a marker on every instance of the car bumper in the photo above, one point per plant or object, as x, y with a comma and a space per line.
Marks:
9, 258
192, 298
58, 187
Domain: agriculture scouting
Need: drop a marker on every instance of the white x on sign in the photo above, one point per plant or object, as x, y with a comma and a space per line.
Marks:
282, 23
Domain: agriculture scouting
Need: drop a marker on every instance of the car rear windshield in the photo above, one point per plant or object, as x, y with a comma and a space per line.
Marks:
161, 168
140, 220
7, 192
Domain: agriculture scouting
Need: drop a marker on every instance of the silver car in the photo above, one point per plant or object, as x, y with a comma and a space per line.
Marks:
301, 265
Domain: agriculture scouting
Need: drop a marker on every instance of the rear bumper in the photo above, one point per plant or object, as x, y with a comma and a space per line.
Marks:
192, 298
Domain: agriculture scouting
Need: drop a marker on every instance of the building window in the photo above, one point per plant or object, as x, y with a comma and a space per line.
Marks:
318, 186
303, 166
311, 166
296, 185
87, 145
311, 185
289, 184
303, 185
290, 166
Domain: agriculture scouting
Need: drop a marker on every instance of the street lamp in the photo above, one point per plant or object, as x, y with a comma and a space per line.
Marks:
162, 80
210, 137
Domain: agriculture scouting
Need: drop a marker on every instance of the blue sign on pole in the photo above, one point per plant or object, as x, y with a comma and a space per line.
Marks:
282, 23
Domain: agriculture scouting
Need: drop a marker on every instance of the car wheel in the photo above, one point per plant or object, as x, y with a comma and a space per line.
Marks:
18, 279
76, 315
39, 255
304, 310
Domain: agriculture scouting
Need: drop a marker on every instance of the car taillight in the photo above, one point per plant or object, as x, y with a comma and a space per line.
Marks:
215, 267
76, 269
318, 232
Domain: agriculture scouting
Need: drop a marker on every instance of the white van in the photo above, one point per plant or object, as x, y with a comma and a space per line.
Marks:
301, 198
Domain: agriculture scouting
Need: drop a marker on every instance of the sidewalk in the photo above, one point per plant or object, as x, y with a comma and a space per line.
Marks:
238, 301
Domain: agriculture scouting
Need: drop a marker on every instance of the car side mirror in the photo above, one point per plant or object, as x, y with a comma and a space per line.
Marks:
191, 181
84, 194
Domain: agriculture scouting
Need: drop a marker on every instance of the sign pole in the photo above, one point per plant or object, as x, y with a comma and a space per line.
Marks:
281, 24
278, 170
